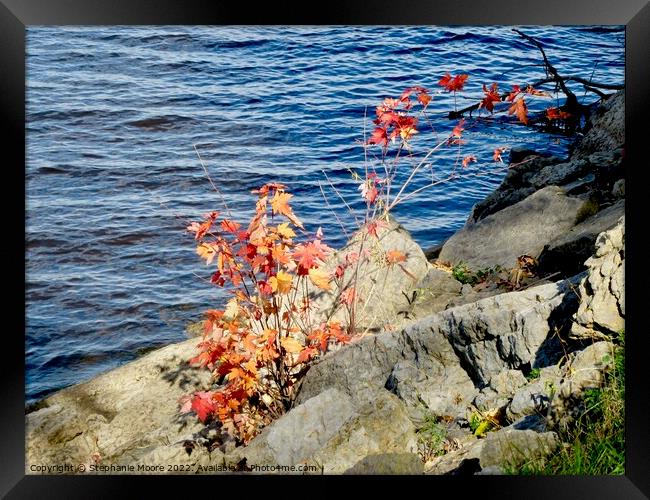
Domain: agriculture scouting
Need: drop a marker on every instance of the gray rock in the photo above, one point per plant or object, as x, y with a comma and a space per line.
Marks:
498, 394
568, 252
581, 185
514, 447
514, 188
388, 463
300, 433
454, 460
518, 154
489, 399
505, 447
607, 128
434, 293
533, 399
507, 382
442, 359
559, 173
618, 190
521, 229
122, 415
602, 291
416, 363
507, 331
383, 290
535, 423
380, 427
586, 370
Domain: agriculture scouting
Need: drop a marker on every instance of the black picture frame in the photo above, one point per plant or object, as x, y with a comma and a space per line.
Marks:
15, 15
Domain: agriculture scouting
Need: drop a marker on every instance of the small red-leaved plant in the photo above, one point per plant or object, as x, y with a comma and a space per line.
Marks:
260, 344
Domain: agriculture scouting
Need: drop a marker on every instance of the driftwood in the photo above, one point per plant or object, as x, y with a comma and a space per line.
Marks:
571, 105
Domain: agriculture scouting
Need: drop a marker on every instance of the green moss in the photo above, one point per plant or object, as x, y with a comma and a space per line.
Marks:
462, 273
533, 374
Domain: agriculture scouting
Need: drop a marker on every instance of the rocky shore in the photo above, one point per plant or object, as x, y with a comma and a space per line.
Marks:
509, 322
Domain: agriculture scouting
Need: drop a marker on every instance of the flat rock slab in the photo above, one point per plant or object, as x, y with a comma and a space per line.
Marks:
121, 415
333, 432
521, 229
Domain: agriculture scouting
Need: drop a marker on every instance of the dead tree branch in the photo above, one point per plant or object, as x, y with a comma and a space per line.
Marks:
553, 76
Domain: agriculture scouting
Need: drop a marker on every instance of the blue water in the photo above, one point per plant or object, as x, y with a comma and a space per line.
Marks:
110, 271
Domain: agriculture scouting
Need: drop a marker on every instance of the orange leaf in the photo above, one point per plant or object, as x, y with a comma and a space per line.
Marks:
424, 99
497, 154
307, 354
206, 252
458, 129
395, 256
291, 345
491, 96
320, 278
280, 205
285, 231
468, 159
281, 282
520, 110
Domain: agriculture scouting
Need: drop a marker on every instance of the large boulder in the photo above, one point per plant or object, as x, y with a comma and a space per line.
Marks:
500, 449
382, 289
417, 363
333, 432
586, 370
521, 229
508, 331
602, 291
121, 416
515, 186
606, 127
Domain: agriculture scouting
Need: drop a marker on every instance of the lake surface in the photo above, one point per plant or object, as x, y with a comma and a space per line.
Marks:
111, 272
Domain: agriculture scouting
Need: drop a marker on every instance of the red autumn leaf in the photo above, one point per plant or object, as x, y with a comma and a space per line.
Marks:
369, 191
513, 93
491, 96
453, 84
203, 405
520, 110
386, 118
310, 255
230, 226
424, 99
379, 136
556, 114
497, 154
468, 159
458, 129
217, 279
